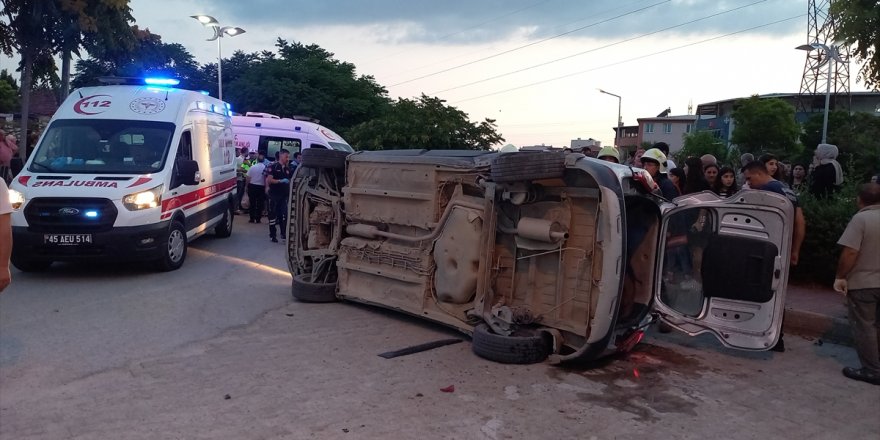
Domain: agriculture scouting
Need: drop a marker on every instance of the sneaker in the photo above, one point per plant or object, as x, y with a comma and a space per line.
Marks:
274, 240
862, 374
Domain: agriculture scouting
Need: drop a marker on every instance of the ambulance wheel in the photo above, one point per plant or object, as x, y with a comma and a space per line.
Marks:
512, 167
224, 228
525, 346
307, 291
26, 265
323, 158
174, 249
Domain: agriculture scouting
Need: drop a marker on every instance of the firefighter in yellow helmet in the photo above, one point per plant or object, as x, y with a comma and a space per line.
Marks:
654, 162
610, 154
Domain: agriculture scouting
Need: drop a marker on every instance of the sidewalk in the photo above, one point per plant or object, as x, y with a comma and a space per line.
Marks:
817, 312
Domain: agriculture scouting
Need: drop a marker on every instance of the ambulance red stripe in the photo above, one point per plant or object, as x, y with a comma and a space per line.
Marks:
188, 200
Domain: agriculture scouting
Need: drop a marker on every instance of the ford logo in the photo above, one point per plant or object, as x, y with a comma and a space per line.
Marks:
68, 211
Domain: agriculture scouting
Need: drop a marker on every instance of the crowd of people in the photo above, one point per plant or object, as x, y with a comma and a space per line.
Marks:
264, 187
858, 273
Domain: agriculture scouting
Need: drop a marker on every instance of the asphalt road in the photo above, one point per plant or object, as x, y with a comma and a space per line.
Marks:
217, 350
74, 320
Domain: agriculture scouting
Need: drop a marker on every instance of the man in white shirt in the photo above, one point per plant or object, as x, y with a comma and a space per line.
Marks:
256, 188
5, 235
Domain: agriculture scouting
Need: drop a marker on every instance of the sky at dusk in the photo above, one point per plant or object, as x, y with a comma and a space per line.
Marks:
532, 65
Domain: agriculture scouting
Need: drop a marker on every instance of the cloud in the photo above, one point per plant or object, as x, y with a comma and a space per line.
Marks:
474, 22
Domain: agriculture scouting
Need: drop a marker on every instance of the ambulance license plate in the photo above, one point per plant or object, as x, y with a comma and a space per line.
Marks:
67, 239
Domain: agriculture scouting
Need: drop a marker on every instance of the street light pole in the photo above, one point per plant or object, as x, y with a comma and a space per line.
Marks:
219, 33
832, 56
617, 134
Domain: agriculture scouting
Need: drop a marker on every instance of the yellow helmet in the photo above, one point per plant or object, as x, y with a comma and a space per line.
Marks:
609, 151
655, 155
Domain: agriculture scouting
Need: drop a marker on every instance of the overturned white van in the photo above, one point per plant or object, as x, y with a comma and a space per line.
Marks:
126, 172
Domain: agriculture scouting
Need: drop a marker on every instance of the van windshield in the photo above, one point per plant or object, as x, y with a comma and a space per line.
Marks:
103, 146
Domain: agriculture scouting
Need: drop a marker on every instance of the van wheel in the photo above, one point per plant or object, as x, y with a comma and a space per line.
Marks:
323, 158
512, 167
175, 248
224, 228
525, 346
307, 291
26, 265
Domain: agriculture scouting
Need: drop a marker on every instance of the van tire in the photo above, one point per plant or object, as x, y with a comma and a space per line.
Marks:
307, 291
26, 265
526, 346
174, 249
323, 158
513, 167
224, 228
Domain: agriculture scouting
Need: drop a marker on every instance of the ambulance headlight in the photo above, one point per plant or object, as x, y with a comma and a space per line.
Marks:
16, 199
150, 198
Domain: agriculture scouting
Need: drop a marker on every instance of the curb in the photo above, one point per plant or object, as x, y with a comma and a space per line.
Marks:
818, 326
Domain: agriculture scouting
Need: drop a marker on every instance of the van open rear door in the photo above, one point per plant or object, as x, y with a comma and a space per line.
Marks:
724, 266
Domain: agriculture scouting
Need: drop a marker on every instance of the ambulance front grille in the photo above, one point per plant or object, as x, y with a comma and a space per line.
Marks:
70, 215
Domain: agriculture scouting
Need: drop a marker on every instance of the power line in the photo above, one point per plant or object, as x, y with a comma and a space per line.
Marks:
531, 44
597, 48
465, 29
600, 13
630, 60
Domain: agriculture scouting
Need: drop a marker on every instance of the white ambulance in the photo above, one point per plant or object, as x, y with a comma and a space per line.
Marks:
268, 134
126, 172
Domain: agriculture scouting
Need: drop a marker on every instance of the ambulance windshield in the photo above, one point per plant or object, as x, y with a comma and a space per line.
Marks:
103, 146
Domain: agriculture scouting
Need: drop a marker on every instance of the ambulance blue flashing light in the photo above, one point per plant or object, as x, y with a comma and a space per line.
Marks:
161, 81
205, 92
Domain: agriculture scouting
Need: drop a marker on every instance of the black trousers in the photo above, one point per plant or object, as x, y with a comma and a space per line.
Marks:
257, 196
278, 215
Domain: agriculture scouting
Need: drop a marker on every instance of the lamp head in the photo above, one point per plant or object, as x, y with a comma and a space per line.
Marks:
206, 20
231, 31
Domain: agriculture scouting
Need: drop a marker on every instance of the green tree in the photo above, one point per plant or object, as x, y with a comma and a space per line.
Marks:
6, 76
855, 136
306, 80
8, 98
765, 125
148, 56
858, 25
97, 25
31, 29
702, 142
425, 122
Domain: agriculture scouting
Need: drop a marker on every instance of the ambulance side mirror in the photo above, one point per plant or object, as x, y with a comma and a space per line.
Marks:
188, 172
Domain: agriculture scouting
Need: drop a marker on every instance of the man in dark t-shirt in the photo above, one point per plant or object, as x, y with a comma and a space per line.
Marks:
757, 177
279, 174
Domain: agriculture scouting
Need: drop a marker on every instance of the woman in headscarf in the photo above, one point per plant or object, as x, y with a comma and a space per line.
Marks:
828, 174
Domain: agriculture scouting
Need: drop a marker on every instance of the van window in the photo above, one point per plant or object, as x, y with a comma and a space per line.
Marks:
269, 145
184, 149
103, 146
318, 146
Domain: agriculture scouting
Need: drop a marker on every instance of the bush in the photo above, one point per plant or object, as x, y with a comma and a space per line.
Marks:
826, 219
703, 142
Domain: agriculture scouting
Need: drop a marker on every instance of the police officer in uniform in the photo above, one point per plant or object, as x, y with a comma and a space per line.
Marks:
278, 179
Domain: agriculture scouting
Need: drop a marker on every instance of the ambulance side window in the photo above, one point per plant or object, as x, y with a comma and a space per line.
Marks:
184, 152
